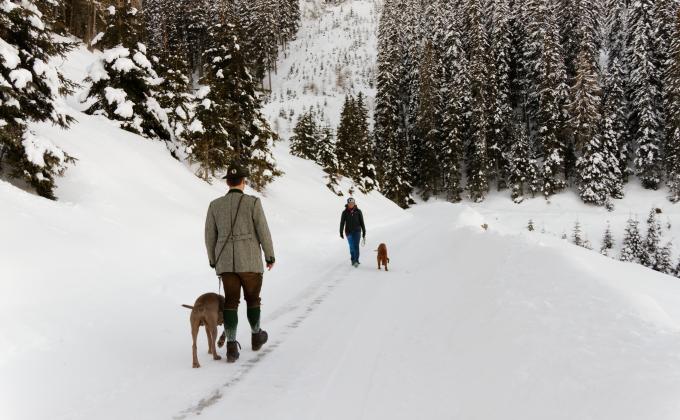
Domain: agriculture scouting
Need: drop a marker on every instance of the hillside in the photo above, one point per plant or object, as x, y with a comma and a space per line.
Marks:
468, 323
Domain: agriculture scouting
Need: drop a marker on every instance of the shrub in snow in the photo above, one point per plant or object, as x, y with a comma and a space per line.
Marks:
123, 84
29, 88
577, 234
607, 241
631, 246
650, 249
530, 226
664, 260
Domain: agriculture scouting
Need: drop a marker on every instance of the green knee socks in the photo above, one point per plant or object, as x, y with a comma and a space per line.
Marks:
231, 322
254, 319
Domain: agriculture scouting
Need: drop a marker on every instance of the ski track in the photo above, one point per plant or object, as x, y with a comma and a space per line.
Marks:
310, 299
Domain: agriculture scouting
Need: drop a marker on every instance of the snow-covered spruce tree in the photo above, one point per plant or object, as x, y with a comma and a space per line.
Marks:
122, 83
429, 121
345, 147
631, 246
499, 93
615, 109
389, 130
616, 82
354, 149
169, 53
569, 15
528, 41
197, 16
305, 140
597, 170
413, 20
367, 177
264, 34
664, 260
524, 172
607, 241
477, 160
456, 94
584, 106
228, 125
327, 159
29, 87
650, 248
552, 97
645, 94
289, 19
672, 105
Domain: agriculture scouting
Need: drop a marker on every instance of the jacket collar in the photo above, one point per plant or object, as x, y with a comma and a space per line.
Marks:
235, 190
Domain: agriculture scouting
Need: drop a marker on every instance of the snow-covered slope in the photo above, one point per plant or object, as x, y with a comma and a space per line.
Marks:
334, 55
468, 324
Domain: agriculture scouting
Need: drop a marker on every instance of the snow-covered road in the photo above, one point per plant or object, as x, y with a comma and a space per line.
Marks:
467, 324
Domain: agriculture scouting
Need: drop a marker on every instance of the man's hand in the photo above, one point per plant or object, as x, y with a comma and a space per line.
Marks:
270, 266
212, 266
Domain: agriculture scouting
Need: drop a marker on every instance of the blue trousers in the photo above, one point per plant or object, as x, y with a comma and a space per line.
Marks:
353, 239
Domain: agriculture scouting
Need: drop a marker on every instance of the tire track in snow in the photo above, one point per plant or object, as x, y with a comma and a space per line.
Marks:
309, 299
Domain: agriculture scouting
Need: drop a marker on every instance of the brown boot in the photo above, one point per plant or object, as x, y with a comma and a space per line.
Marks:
232, 351
258, 339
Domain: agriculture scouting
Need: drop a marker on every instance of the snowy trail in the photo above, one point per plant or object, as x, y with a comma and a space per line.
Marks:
465, 325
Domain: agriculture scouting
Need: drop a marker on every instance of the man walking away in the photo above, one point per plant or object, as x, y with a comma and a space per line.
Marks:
236, 233
352, 224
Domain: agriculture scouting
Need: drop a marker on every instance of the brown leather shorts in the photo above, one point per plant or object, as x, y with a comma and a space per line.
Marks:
251, 284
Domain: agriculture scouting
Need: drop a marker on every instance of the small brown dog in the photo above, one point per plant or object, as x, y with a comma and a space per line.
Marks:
207, 311
382, 256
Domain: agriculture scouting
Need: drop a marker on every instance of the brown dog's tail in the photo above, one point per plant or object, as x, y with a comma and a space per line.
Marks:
188, 307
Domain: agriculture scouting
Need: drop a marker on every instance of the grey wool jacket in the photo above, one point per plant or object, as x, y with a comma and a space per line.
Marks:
242, 250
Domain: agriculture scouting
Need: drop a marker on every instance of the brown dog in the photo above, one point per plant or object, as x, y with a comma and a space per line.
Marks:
207, 311
382, 256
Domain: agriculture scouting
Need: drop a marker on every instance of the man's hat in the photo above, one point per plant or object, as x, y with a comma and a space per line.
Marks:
351, 200
236, 170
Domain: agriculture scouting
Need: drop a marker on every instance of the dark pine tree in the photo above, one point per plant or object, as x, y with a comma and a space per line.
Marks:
552, 96
390, 134
429, 122
477, 162
672, 105
645, 94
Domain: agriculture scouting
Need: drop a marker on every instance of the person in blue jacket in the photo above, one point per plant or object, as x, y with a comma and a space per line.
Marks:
352, 225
